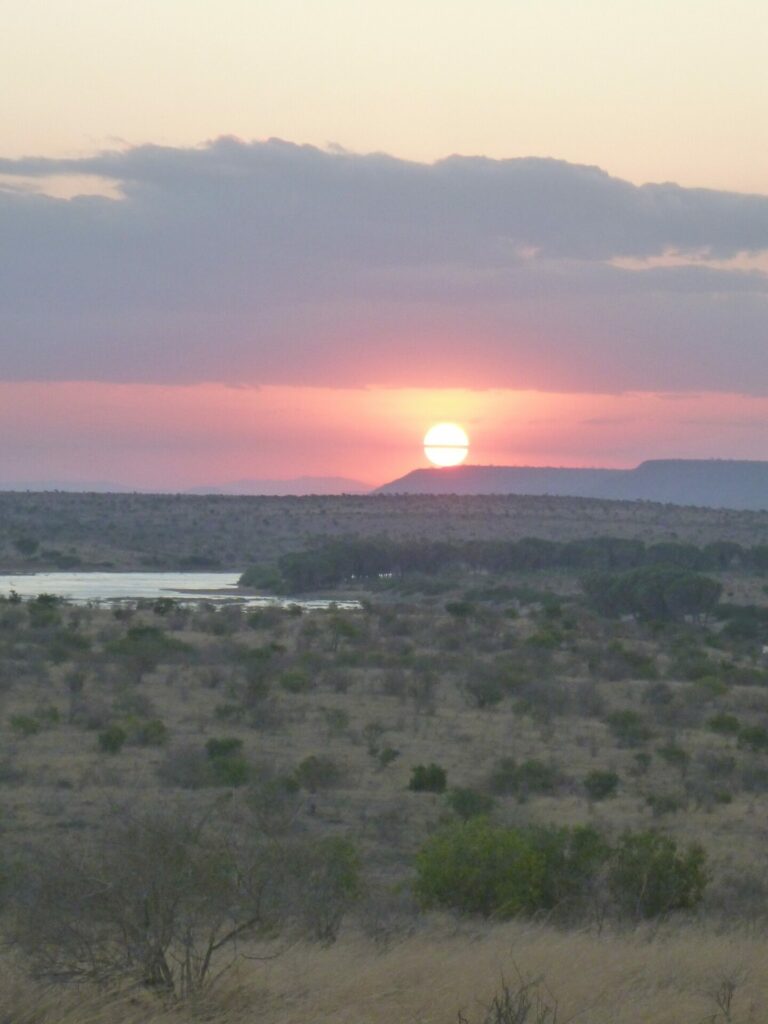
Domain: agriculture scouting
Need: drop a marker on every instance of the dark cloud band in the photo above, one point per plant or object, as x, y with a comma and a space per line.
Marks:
268, 262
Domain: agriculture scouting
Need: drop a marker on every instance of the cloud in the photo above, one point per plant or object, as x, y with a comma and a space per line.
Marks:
272, 263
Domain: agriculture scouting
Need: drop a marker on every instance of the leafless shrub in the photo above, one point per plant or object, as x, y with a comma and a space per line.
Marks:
168, 900
524, 1002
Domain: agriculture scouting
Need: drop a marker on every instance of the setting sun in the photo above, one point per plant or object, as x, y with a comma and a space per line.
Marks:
446, 444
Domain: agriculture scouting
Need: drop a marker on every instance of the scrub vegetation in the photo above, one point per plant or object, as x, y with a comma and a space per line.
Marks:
496, 792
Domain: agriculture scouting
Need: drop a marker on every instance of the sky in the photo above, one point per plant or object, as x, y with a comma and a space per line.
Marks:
270, 239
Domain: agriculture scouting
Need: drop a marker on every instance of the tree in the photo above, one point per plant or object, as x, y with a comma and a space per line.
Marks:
143, 648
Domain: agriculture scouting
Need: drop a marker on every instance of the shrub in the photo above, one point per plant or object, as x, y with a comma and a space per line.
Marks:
601, 785
663, 803
150, 733
112, 739
469, 803
628, 728
642, 763
725, 724
754, 737
675, 756
143, 648
25, 725
187, 767
484, 691
529, 1001
274, 800
232, 770
521, 780
430, 778
296, 681
460, 609
318, 772
477, 868
649, 877
26, 545
386, 756
227, 765
225, 747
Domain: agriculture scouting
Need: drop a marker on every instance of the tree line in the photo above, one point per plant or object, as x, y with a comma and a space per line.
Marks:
334, 562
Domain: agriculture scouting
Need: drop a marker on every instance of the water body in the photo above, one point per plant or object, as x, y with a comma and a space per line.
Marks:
189, 587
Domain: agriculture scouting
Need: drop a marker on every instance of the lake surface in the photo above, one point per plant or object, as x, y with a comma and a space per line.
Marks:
88, 587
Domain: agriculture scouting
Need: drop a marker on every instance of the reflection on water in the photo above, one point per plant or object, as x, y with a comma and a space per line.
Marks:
86, 587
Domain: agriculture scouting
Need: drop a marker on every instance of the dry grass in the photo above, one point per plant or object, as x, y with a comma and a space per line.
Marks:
646, 977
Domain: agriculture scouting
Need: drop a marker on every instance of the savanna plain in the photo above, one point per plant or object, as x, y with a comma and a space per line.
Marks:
525, 781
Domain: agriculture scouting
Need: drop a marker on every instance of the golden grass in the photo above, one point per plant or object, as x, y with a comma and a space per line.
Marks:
645, 977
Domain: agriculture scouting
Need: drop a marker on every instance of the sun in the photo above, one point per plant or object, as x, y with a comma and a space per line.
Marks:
446, 444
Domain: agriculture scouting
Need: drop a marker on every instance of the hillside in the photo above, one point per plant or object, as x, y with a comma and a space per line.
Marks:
174, 531
714, 483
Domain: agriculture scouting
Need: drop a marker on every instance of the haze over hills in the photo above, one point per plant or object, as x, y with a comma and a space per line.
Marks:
713, 483
299, 485
296, 486
70, 486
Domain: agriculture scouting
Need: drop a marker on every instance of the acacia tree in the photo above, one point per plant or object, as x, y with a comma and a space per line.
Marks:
170, 901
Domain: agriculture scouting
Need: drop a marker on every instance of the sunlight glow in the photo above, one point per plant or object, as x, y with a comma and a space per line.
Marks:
446, 444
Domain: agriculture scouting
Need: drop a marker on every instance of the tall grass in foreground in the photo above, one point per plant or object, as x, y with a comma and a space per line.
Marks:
683, 975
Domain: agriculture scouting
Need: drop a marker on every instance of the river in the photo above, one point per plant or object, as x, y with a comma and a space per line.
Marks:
98, 587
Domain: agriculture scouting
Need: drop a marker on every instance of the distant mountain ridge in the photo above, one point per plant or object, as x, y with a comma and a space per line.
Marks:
714, 483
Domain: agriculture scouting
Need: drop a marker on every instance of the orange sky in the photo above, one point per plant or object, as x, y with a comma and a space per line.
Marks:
151, 436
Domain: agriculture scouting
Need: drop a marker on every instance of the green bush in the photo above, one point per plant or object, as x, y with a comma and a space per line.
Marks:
150, 732
296, 681
484, 691
649, 877
430, 778
572, 859
725, 724
521, 780
47, 715
232, 770
675, 756
26, 545
226, 762
318, 772
112, 739
469, 803
25, 725
663, 803
224, 747
386, 756
628, 728
601, 785
754, 737
477, 868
